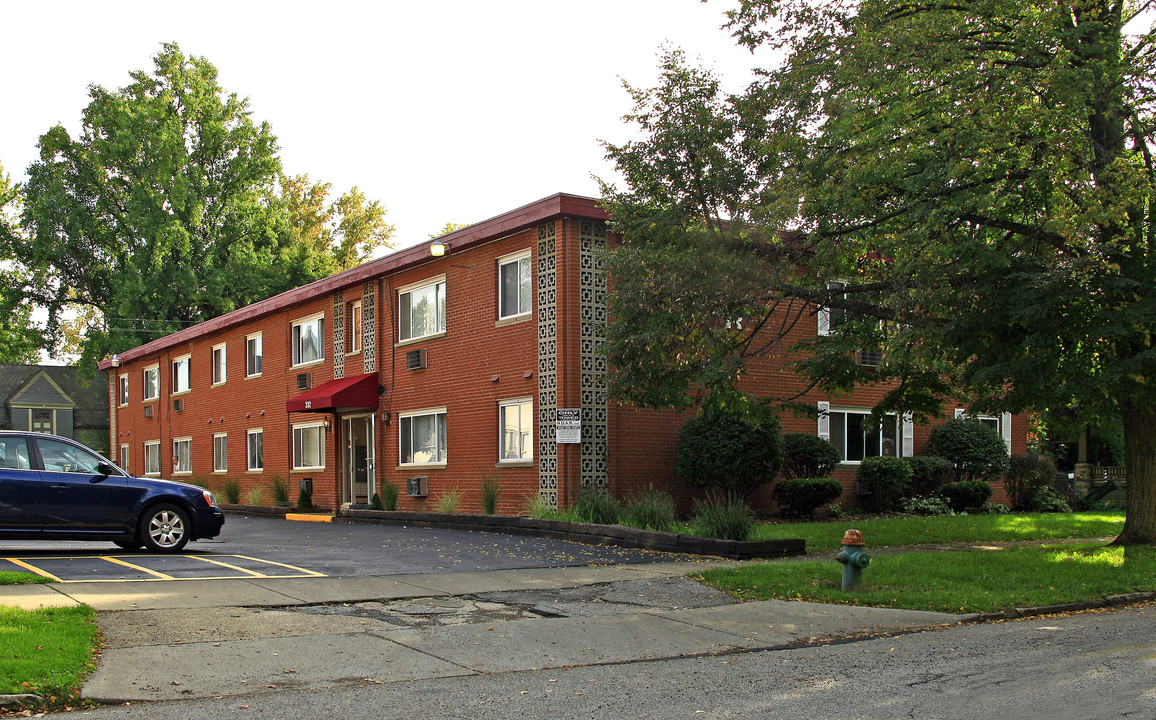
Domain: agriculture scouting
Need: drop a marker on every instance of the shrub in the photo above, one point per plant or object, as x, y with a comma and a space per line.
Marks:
925, 506
491, 490
886, 479
1027, 475
304, 500
835, 511
1048, 500
597, 506
975, 450
449, 500
992, 508
963, 495
231, 490
799, 497
389, 493
726, 517
649, 509
928, 473
256, 495
734, 446
280, 487
375, 502
535, 506
808, 456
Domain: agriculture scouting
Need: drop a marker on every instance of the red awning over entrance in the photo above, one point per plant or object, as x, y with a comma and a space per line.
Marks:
351, 393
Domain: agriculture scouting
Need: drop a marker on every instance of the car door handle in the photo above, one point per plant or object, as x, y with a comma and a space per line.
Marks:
59, 487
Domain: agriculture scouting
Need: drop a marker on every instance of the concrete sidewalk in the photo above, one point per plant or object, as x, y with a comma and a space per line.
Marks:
197, 639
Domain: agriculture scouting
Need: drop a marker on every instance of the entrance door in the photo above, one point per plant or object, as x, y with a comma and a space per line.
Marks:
358, 459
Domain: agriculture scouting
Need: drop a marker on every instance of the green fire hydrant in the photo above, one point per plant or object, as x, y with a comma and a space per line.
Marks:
853, 559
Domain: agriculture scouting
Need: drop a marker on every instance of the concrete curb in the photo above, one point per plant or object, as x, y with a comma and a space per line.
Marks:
617, 535
1110, 601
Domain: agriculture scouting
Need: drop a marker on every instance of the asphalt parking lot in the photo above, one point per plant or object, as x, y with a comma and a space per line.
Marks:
274, 548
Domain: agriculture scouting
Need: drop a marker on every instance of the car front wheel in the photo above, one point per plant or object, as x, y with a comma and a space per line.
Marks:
165, 528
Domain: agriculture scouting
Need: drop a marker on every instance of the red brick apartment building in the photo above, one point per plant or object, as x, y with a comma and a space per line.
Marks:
440, 370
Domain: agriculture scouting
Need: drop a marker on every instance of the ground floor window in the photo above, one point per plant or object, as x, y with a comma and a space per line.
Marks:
152, 455
255, 442
516, 419
220, 452
183, 455
423, 437
308, 446
124, 458
853, 435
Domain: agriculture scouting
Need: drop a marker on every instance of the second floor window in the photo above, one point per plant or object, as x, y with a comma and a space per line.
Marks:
219, 364
422, 311
123, 394
152, 383
309, 341
180, 375
514, 287
253, 355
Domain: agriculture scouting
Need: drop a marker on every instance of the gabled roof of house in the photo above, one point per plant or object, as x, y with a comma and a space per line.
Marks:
54, 385
548, 208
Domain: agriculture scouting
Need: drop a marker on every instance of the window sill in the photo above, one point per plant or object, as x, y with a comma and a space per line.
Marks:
319, 468
254, 471
307, 365
423, 338
217, 384
178, 393
515, 463
254, 376
352, 353
422, 466
514, 319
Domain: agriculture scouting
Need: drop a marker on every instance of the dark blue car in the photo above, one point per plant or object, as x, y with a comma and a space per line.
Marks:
53, 488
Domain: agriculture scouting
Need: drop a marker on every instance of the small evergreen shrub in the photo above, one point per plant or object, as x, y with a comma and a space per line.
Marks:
725, 517
491, 490
928, 473
732, 444
932, 505
964, 495
280, 487
650, 509
1047, 499
976, 451
598, 507
807, 456
231, 490
375, 502
887, 479
305, 500
800, 497
389, 493
1027, 475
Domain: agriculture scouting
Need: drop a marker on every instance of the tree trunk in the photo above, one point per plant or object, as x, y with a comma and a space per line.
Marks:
1140, 459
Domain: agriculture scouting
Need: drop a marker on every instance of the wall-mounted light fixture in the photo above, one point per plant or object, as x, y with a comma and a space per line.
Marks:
441, 249
115, 360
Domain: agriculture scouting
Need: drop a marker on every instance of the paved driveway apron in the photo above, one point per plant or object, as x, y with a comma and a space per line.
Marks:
267, 547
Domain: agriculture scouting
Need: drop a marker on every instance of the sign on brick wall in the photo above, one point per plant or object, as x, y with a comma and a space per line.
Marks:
569, 426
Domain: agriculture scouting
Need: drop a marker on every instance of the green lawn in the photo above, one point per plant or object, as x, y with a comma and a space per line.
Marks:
954, 581
21, 578
46, 651
825, 537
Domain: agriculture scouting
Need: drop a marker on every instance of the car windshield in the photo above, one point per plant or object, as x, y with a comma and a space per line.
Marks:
62, 457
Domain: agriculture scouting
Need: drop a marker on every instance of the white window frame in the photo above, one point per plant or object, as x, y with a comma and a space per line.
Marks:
250, 434
155, 372
152, 465
184, 361
441, 437
403, 304
122, 390
220, 452
1003, 424
222, 365
295, 340
254, 355
831, 318
903, 436
516, 259
183, 456
525, 434
299, 432
124, 457
353, 330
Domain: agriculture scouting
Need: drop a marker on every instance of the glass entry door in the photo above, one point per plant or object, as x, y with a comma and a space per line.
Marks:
358, 459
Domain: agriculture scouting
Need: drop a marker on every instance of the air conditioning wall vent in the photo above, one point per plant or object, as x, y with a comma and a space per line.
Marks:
415, 359
417, 486
179, 405
304, 381
148, 411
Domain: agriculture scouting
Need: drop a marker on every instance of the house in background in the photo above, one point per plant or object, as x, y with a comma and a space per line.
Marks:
473, 356
53, 399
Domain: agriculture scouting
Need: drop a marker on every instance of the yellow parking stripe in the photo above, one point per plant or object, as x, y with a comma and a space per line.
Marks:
287, 567
154, 573
254, 573
34, 569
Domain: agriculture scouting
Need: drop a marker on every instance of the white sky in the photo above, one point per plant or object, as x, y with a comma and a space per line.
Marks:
456, 110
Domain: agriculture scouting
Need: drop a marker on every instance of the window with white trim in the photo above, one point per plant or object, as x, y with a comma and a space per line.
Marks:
1002, 424
220, 365
516, 425
515, 288
851, 432
254, 445
180, 375
152, 383
308, 340
253, 355
182, 455
152, 457
124, 458
220, 452
830, 318
422, 310
423, 437
309, 446
353, 327
122, 390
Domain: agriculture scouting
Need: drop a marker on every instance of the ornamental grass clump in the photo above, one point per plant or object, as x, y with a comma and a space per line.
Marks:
388, 493
491, 491
598, 507
650, 509
231, 490
724, 516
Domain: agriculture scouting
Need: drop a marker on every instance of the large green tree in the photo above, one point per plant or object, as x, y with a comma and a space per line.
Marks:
20, 338
167, 209
979, 174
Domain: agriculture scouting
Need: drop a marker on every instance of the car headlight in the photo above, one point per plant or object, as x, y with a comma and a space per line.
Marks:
212, 501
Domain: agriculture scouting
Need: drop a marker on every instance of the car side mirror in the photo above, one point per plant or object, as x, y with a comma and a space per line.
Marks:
105, 469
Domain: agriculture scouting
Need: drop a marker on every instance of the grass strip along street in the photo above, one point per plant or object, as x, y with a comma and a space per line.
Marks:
47, 652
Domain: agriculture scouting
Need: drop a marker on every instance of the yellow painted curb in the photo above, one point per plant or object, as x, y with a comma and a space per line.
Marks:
309, 517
